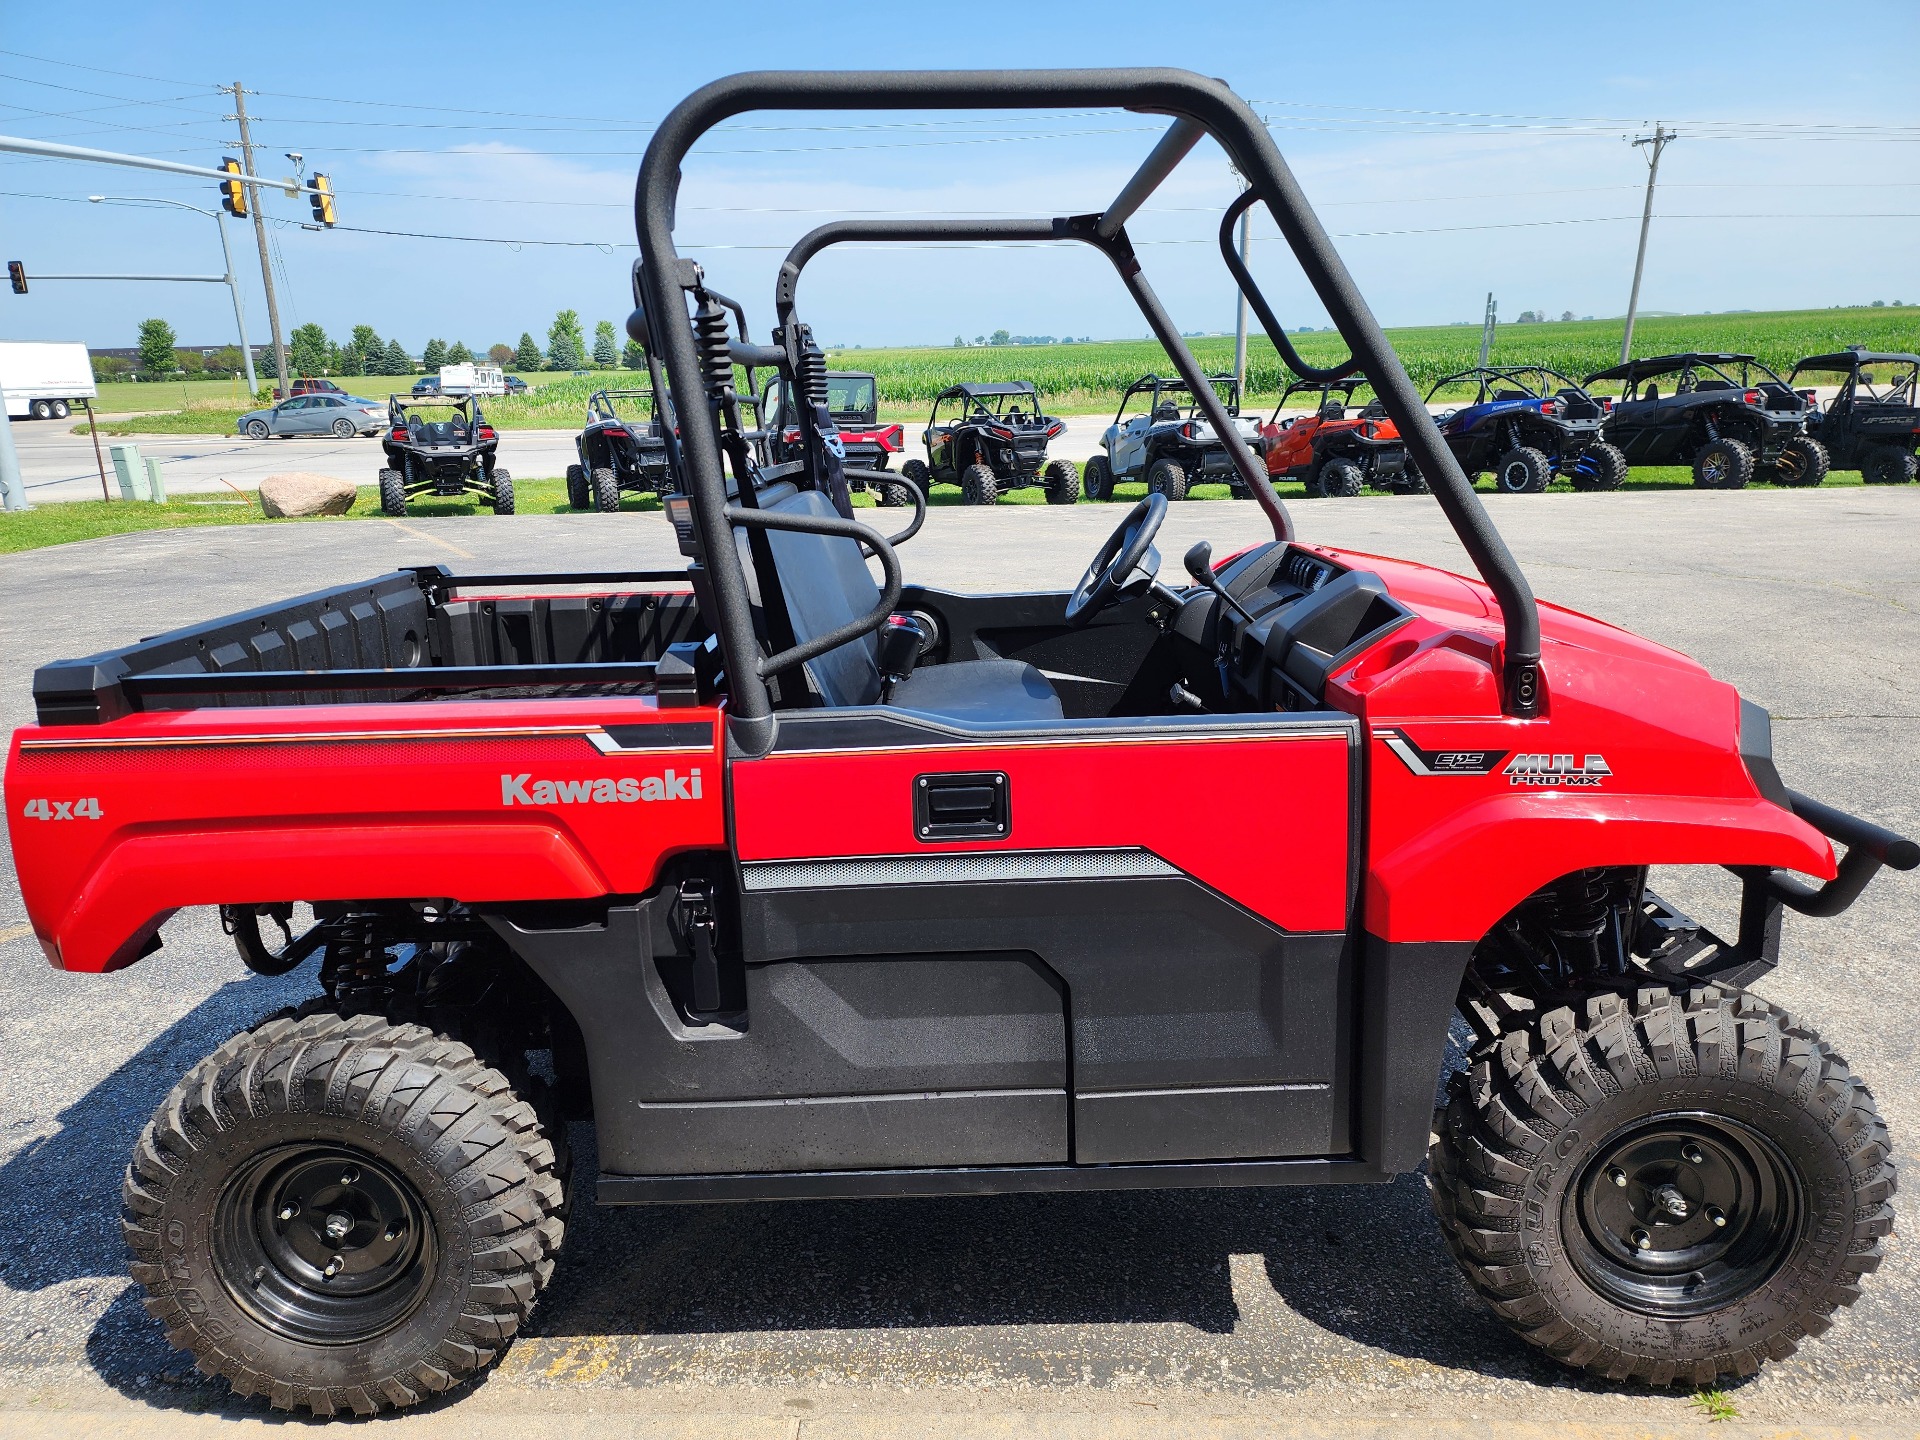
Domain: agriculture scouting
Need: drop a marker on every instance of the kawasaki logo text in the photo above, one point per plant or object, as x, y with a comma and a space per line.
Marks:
628, 790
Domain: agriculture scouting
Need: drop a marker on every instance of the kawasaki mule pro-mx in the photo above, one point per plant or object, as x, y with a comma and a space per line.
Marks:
797, 884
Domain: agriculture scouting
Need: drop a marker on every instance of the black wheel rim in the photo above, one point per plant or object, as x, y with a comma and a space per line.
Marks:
323, 1244
1682, 1214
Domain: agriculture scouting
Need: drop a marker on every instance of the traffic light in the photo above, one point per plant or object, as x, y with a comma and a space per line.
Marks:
322, 198
233, 194
17, 273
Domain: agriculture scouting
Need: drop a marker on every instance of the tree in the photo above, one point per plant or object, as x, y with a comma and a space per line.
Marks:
634, 357
108, 367
1000, 337
190, 361
398, 361
1566, 315
501, 354
156, 347
459, 354
959, 342
308, 350
979, 339
227, 359
350, 361
566, 343
434, 356
367, 341
527, 357
606, 348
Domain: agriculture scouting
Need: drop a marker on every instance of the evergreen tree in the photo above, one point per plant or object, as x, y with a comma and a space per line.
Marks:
459, 354
398, 361
566, 344
308, 350
156, 347
434, 356
606, 348
634, 357
350, 361
527, 356
367, 341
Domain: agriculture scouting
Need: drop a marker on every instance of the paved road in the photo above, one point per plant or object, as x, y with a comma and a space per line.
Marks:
1222, 1314
56, 464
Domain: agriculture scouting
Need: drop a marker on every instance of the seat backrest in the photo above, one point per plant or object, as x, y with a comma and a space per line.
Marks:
826, 583
1333, 410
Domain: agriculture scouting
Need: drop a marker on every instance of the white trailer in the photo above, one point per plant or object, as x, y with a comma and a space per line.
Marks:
467, 379
44, 380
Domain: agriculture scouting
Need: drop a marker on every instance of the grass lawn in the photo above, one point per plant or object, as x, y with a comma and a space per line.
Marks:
57, 524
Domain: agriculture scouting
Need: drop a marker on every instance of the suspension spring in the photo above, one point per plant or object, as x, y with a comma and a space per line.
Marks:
813, 369
710, 333
356, 964
1581, 914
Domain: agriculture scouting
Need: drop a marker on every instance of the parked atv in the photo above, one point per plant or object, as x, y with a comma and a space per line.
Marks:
1334, 453
853, 400
1525, 425
992, 438
1160, 435
452, 455
619, 452
1873, 424
1728, 416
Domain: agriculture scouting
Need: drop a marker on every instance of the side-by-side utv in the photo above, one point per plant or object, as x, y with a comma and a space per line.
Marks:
1525, 425
797, 877
1728, 416
441, 446
1873, 424
990, 438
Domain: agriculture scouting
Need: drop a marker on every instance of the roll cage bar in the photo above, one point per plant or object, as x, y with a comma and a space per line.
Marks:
1484, 375
1157, 385
708, 411
600, 403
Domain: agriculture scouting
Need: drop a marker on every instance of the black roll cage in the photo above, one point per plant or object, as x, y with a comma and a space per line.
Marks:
1484, 375
600, 404
1158, 385
1199, 106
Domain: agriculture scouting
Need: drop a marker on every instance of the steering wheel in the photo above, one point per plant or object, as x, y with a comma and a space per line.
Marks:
1117, 560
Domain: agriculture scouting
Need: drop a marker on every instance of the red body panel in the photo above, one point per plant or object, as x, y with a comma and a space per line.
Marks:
1289, 447
326, 802
1282, 852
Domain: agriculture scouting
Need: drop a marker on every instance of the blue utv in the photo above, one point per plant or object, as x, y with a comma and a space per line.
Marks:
1525, 425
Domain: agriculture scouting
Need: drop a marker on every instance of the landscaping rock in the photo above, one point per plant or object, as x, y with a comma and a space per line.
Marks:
300, 492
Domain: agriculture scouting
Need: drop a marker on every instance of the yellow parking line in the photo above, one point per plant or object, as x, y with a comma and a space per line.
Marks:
430, 539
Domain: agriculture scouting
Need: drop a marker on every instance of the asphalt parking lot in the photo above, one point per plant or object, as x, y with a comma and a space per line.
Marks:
1184, 1312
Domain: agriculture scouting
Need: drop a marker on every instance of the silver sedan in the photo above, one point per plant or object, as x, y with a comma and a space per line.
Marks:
342, 415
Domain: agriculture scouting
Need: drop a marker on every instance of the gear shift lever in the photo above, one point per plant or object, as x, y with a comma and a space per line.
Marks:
1199, 563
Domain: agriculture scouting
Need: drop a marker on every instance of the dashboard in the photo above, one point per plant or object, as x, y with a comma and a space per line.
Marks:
1304, 616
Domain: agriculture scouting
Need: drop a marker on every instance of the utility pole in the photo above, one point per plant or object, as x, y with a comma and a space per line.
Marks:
1240, 314
1487, 324
1656, 142
260, 237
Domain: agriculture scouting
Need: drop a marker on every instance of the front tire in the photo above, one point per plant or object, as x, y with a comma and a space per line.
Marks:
1802, 464
1600, 467
500, 486
1062, 482
1166, 478
1098, 478
1523, 471
1723, 465
1889, 465
1667, 1188
979, 486
606, 491
257, 430
393, 493
342, 1214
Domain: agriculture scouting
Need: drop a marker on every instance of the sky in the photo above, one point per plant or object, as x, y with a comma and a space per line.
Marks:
1450, 150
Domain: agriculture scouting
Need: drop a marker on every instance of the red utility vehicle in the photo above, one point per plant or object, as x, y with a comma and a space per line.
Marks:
798, 884
1332, 452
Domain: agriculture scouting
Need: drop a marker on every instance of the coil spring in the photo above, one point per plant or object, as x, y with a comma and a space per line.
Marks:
716, 365
356, 964
813, 372
1582, 911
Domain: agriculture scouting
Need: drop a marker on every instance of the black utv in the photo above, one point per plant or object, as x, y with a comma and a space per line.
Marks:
988, 439
1728, 416
1873, 424
853, 400
623, 447
440, 446
1526, 424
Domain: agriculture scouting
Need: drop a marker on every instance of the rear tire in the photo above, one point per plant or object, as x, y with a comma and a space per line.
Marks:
1097, 479
1889, 465
1600, 467
441, 1176
979, 486
914, 472
892, 494
1341, 480
1723, 465
41, 409
501, 485
343, 429
61, 409
393, 493
1666, 1188
577, 496
1062, 482
1167, 479
1524, 471
1803, 463
606, 490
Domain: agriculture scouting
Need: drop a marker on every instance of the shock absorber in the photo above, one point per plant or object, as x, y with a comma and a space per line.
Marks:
813, 368
356, 964
1579, 922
